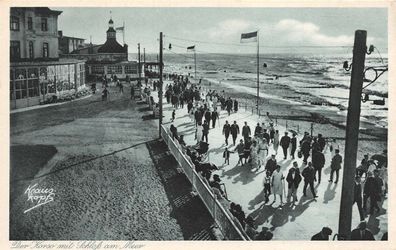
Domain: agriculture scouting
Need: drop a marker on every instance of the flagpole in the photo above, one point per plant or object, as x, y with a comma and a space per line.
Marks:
123, 32
195, 65
258, 73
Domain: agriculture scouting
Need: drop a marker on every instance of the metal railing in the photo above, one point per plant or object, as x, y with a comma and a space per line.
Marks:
223, 220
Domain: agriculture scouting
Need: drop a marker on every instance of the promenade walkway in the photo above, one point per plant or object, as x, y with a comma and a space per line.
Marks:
245, 186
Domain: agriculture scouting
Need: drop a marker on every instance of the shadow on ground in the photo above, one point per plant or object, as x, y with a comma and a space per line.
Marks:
190, 213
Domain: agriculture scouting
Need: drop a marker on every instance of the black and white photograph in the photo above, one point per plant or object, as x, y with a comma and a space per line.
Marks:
177, 123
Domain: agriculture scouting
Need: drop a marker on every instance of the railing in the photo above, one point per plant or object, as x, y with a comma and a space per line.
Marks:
223, 220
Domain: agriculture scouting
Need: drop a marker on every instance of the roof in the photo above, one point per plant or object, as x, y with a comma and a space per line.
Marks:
47, 11
111, 46
71, 37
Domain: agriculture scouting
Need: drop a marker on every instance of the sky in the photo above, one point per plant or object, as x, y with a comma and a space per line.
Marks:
218, 30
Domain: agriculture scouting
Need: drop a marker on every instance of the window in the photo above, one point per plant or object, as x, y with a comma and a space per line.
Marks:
14, 24
97, 69
20, 84
45, 50
114, 69
30, 23
31, 50
32, 82
15, 50
130, 69
44, 24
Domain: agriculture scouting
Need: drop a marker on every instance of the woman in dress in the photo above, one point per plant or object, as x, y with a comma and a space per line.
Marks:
254, 154
276, 141
199, 133
277, 184
262, 152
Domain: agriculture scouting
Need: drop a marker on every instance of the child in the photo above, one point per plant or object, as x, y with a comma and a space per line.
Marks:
267, 186
226, 156
173, 115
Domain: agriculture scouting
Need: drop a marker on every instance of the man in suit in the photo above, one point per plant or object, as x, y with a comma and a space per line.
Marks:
246, 131
318, 161
293, 143
293, 179
323, 235
361, 232
285, 142
226, 131
335, 165
358, 196
234, 131
271, 164
309, 174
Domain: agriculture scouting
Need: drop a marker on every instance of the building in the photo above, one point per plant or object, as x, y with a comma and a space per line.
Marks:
36, 72
68, 44
108, 59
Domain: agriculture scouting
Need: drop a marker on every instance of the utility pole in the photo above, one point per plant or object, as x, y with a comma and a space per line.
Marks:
161, 65
139, 69
144, 55
258, 73
352, 135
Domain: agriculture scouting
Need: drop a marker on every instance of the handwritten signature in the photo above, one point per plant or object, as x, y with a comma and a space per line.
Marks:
39, 196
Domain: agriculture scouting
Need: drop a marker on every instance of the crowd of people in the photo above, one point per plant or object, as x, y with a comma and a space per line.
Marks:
253, 153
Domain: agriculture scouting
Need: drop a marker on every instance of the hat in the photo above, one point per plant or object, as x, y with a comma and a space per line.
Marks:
327, 231
362, 225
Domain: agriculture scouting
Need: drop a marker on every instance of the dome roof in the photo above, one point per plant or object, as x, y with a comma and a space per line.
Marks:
111, 46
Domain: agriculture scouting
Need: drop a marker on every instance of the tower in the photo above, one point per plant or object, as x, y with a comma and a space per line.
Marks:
111, 33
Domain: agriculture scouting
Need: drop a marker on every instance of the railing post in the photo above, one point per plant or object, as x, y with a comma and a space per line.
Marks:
286, 124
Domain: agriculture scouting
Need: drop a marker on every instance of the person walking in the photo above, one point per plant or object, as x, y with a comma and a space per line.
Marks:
335, 165
105, 93
215, 116
199, 132
262, 152
372, 190
226, 156
257, 130
271, 164
229, 106
293, 179
266, 136
305, 149
276, 141
234, 131
322, 142
309, 174
173, 115
293, 143
285, 142
240, 148
208, 116
226, 131
235, 106
358, 196
254, 155
318, 161
267, 186
277, 184
271, 130
246, 131
205, 131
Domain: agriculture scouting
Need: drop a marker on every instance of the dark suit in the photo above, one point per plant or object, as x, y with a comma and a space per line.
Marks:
356, 234
293, 142
285, 142
226, 132
318, 161
309, 175
358, 199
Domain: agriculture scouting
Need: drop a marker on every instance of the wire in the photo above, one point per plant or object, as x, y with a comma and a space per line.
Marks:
379, 54
262, 46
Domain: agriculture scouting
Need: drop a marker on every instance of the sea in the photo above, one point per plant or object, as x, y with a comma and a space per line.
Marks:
316, 74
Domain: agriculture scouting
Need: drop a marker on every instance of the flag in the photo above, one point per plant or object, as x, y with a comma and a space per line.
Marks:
191, 48
120, 29
249, 37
